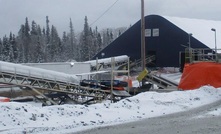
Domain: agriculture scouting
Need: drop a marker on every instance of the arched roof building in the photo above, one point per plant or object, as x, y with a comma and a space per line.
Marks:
165, 38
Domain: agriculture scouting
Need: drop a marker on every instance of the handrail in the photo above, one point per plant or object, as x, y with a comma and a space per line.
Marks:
201, 54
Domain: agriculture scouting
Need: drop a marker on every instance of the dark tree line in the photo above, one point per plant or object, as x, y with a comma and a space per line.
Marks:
35, 44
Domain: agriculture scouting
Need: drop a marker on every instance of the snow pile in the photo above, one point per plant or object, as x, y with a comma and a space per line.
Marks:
26, 118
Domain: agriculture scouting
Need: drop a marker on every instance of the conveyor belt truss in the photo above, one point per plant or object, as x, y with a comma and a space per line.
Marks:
161, 82
41, 86
137, 63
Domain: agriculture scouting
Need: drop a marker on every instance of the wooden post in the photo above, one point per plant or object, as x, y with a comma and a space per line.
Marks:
128, 73
143, 49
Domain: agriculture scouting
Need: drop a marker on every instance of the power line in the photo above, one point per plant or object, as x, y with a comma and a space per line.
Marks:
104, 13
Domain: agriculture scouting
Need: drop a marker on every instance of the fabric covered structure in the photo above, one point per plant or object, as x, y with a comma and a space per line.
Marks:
200, 74
166, 38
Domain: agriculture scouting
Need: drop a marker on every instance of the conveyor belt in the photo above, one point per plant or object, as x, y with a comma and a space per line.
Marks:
136, 63
42, 81
161, 82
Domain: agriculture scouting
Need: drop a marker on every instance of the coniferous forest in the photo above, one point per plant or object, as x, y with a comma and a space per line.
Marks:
37, 44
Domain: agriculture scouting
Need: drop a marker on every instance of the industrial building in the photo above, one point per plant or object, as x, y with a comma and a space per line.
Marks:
165, 38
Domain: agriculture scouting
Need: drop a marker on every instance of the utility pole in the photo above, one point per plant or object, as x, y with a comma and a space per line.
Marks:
143, 50
214, 30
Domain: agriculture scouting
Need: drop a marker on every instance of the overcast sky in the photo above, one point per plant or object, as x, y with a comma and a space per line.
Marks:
123, 13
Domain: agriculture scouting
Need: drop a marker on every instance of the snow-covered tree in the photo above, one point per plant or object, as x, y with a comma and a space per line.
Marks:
47, 30
107, 37
33, 44
1, 46
27, 41
72, 40
6, 49
13, 48
64, 44
84, 41
54, 47
34, 28
37, 40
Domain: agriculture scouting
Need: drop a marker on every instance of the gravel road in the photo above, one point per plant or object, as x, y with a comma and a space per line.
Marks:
179, 123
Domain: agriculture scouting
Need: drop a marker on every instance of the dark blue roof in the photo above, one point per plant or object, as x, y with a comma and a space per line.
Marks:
166, 47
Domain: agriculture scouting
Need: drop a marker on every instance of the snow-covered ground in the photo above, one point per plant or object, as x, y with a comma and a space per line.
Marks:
30, 118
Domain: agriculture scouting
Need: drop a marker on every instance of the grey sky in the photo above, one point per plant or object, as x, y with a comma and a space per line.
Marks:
123, 13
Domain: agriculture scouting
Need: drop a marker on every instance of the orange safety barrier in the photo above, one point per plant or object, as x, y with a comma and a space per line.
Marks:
4, 99
199, 74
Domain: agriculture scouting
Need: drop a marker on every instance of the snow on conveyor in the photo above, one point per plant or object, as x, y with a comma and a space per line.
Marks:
122, 58
28, 71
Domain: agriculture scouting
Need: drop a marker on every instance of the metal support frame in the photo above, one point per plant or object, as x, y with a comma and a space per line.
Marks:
161, 82
201, 54
119, 71
43, 85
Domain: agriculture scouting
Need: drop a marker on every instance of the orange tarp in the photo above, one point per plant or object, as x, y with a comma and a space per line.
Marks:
199, 74
4, 99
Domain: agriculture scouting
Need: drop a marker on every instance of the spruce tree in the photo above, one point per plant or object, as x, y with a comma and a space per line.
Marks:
64, 42
99, 42
21, 44
84, 41
14, 49
47, 30
71, 40
54, 47
43, 31
111, 37
34, 28
6, 49
39, 30
11, 52
27, 41
1, 46
34, 42
36, 51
